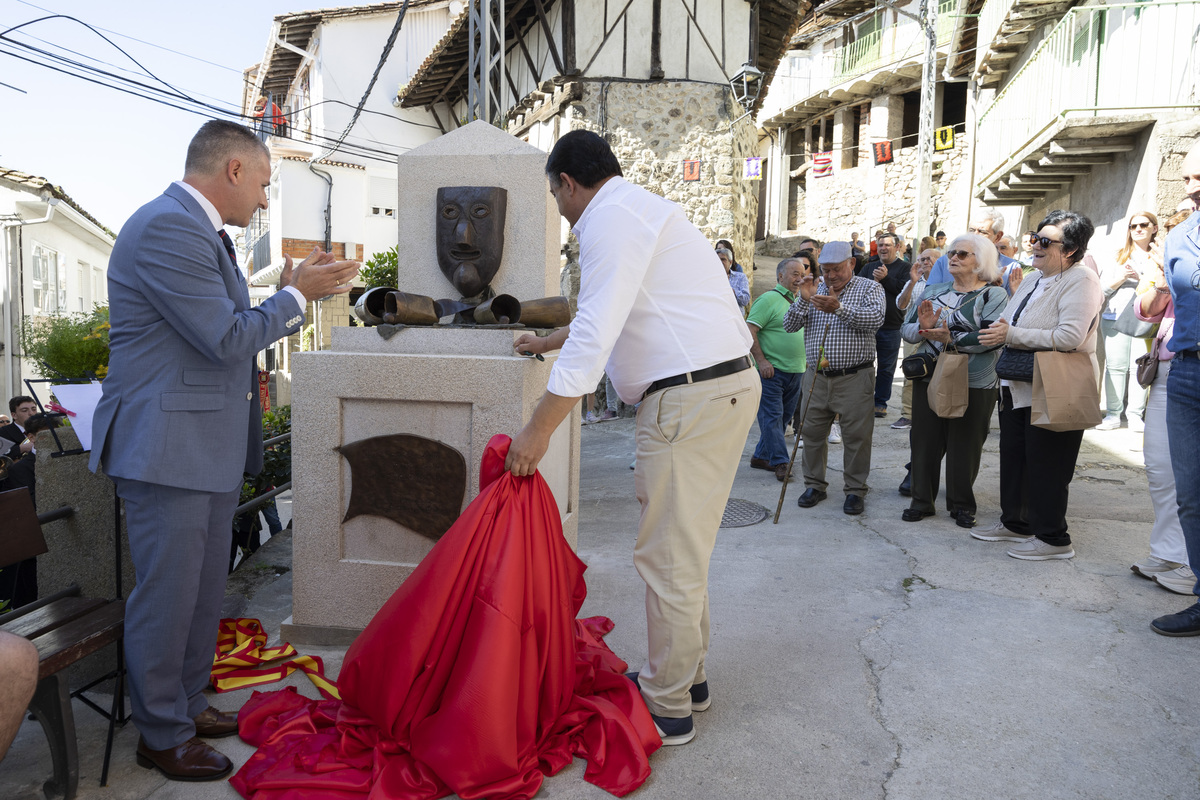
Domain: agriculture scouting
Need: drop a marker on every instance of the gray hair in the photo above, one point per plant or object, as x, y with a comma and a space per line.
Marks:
721, 251
782, 266
988, 214
985, 253
216, 142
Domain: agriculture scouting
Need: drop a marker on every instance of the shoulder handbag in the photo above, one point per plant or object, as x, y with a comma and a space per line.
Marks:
1129, 324
1147, 364
1015, 364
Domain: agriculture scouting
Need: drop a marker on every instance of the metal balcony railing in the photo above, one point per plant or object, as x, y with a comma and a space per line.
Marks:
258, 239
1128, 58
802, 77
889, 45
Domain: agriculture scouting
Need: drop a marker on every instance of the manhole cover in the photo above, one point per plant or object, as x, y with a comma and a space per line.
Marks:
740, 513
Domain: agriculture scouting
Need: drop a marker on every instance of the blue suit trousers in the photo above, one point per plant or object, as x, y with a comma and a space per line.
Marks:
179, 540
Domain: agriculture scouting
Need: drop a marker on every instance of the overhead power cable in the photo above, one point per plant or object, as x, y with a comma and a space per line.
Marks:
204, 110
383, 57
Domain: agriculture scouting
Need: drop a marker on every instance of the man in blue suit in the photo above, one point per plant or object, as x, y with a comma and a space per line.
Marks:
180, 422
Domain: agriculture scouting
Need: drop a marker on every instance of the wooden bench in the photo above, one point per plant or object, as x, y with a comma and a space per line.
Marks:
65, 628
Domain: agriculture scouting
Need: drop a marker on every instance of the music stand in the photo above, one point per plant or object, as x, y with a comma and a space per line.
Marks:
119, 672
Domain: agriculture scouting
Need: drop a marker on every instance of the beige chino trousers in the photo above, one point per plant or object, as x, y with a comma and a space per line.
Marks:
853, 397
690, 439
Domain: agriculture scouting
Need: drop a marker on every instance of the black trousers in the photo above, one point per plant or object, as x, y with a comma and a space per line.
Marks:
1036, 467
960, 441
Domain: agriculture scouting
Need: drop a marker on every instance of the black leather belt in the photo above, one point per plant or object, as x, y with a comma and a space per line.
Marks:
837, 373
1189, 354
706, 374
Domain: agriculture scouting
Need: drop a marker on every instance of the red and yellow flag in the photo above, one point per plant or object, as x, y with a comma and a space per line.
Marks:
242, 652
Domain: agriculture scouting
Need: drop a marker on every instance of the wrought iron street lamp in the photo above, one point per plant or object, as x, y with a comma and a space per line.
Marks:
746, 85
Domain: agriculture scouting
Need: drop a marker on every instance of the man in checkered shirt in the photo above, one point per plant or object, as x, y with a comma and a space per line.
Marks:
840, 315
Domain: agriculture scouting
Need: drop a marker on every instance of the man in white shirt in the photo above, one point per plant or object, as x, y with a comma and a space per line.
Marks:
656, 313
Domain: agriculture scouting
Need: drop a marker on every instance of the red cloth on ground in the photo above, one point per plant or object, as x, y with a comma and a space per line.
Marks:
474, 678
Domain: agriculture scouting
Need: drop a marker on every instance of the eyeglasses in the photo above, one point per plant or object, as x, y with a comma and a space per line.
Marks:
1137, 226
1042, 240
959, 254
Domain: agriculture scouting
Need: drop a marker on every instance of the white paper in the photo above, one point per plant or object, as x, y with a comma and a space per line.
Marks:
82, 399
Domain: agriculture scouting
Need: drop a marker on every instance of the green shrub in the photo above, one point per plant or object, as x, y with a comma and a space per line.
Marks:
380, 269
71, 346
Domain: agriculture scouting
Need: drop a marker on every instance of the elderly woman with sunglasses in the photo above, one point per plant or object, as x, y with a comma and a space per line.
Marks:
1056, 308
951, 315
1120, 279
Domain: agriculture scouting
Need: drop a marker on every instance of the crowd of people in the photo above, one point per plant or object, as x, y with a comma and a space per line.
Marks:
828, 335
817, 350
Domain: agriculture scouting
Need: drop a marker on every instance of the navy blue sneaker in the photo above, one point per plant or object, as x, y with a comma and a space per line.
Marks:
699, 692
674, 730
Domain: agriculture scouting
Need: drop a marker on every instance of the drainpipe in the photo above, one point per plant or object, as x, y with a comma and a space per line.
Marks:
328, 245
7, 302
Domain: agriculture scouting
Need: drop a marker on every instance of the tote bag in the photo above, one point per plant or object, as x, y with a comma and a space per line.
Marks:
947, 390
1066, 394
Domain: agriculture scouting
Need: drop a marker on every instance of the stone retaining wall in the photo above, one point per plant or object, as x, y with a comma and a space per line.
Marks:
654, 127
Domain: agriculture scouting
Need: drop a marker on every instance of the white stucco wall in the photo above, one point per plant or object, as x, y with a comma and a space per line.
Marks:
347, 52
626, 53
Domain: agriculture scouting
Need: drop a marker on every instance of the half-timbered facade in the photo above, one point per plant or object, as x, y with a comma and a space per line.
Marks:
652, 76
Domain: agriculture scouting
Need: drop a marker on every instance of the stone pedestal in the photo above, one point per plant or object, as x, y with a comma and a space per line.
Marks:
457, 385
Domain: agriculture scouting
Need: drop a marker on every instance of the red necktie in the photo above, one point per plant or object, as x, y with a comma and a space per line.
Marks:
228, 245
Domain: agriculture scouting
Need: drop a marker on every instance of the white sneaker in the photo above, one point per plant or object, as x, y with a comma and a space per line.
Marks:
1136, 424
1109, 423
1153, 565
998, 533
1179, 581
835, 433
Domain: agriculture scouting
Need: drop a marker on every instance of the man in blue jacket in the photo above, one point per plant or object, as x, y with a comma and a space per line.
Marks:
179, 424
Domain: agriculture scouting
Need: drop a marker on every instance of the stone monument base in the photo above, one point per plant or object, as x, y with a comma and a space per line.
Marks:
459, 386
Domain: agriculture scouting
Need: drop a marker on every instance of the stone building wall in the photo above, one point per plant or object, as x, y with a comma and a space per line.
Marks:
1173, 140
654, 127
864, 198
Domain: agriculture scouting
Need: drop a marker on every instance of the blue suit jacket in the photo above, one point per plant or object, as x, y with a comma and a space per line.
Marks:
180, 405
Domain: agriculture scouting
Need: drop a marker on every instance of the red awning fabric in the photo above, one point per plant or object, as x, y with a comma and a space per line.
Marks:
474, 678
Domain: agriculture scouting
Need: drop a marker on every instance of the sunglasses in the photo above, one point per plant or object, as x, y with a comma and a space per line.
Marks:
960, 254
1042, 240
1137, 226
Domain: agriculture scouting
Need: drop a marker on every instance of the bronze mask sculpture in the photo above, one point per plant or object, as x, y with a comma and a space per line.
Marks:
470, 235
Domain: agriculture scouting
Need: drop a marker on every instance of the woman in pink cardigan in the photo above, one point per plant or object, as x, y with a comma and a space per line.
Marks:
1167, 564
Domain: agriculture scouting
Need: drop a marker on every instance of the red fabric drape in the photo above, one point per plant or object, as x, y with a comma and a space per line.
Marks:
474, 678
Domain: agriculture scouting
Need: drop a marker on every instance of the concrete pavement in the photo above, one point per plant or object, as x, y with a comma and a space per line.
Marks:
856, 657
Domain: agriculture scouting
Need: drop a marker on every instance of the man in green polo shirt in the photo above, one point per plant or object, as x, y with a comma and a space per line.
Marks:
780, 359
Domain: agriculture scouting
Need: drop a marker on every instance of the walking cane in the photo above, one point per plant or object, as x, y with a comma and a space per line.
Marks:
799, 430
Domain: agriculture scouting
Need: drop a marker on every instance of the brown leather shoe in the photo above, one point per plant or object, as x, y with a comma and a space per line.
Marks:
213, 724
191, 761
781, 473
761, 463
